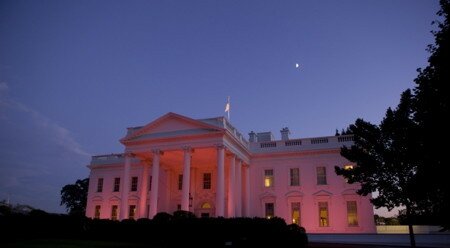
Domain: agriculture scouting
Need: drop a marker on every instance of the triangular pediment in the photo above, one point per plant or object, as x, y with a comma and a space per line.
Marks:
170, 125
323, 193
349, 192
294, 193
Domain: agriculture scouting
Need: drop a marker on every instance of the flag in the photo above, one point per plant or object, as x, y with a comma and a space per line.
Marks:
227, 108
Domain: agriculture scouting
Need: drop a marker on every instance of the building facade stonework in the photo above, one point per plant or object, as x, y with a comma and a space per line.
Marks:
207, 167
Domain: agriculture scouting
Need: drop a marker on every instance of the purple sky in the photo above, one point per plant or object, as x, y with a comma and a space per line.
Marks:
75, 74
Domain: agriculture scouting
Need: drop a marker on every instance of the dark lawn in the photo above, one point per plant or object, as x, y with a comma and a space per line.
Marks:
69, 243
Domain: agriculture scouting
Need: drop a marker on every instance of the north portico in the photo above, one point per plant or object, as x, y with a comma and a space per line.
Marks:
207, 167
175, 147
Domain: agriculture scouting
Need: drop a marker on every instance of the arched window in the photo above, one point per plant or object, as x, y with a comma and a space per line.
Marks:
206, 205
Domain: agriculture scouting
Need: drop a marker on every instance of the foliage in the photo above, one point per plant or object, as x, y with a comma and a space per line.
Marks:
388, 221
431, 112
181, 214
165, 232
74, 197
403, 158
386, 158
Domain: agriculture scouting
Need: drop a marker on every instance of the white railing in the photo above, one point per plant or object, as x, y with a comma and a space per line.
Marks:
107, 159
235, 132
302, 144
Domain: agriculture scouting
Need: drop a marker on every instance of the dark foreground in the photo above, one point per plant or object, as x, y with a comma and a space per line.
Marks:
73, 243
328, 245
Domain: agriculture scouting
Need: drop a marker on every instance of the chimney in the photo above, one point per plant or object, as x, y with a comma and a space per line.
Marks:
252, 136
285, 133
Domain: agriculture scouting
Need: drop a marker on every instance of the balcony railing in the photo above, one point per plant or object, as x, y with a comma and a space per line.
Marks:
302, 144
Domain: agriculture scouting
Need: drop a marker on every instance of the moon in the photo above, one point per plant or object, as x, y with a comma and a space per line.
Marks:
297, 65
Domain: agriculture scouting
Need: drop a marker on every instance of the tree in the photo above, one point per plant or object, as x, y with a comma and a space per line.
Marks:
386, 158
431, 112
74, 196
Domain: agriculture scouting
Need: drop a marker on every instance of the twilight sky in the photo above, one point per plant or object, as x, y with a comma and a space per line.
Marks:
75, 74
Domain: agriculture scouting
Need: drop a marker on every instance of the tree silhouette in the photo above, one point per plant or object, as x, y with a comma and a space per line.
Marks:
74, 197
432, 97
386, 158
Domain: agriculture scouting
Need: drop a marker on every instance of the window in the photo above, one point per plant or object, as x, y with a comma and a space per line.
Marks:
323, 214
295, 177
116, 184
321, 175
150, 184
206, 180
134, 183
114, 209
206, 205
348, 167
179, 207
352, 213
97, 212
270, 210
268, 178
180, 182
295, 210
132, 212
100, 185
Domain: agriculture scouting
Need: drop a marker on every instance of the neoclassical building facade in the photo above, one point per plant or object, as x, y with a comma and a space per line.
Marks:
207, 167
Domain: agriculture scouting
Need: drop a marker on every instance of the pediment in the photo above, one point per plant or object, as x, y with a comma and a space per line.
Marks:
171, 124
97, 198
294, 193
114, 198
349, 192
323, 193
267, 195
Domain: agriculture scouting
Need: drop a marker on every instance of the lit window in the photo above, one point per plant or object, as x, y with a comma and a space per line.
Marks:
321, 175
295, 210
352, 213
116, 184
97, 212
180, 182
134, 183
270, 210
295, 176
323, 214
100, 185
348, 167
132, 212
114, 209
268, 178
206, 180
206, 205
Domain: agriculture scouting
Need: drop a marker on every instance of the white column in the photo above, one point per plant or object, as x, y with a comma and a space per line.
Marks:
144, 192
125, 187
155, 179
220, 189
239, 188
186, 179
247, 190
232, 187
